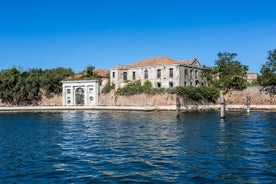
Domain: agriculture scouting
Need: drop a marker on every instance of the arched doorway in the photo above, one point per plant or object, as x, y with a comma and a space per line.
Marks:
79, 96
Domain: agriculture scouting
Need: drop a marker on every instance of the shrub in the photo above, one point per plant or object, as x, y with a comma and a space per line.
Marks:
107, 88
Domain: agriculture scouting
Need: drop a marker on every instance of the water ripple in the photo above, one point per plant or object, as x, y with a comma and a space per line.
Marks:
137, 147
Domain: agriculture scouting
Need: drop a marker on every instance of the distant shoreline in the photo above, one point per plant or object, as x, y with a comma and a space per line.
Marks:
184, 108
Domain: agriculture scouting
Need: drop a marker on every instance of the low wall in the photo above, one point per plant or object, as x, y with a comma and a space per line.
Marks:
258, 97
112, 99
234, 98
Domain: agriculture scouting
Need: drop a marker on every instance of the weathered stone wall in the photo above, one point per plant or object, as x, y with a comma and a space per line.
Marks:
54, 101
137, 100
257, 97
234, 98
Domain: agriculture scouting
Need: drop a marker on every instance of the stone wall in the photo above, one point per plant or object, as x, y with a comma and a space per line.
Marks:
234, 98
258, 97
54, 101
137, 100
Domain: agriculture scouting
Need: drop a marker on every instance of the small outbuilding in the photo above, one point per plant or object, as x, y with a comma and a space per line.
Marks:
80, 93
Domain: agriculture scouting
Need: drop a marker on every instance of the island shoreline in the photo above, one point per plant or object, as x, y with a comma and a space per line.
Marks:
184, 108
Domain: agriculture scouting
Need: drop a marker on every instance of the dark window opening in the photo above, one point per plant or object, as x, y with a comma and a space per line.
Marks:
171, 72
125, 76
158, 73
158, 84
171, 84
146, 74
133, 76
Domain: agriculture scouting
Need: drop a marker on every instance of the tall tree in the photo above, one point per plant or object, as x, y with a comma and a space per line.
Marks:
227, 74
90, 70
268, 72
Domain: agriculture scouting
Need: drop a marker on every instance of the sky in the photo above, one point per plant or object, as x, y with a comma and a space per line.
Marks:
77, 33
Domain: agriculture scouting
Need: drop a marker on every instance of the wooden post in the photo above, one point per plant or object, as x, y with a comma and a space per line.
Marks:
178, 106
222, 107
248, 102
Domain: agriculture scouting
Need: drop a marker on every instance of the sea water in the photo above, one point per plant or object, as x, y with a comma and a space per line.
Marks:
137, 147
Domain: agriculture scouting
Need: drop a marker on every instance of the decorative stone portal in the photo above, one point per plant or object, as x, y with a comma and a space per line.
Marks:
80, 93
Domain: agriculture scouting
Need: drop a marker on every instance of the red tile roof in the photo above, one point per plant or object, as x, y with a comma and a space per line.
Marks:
155, 62
101, 72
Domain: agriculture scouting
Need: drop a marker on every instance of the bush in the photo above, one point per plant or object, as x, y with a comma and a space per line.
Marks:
197, 94
203, 93
131, 89
108, 88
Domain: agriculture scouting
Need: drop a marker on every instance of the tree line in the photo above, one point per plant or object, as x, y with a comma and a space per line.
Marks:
19, 87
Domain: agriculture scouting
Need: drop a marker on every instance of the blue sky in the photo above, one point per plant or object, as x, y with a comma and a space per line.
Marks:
76, 33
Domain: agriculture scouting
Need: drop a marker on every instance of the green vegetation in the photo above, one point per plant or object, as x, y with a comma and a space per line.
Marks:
268, 73
203, 93
135, 87
89, 74
198, 94
24, 87
51, 80
228, 74
107, 88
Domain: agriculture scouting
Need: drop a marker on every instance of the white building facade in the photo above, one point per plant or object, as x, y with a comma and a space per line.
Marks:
80, 93
161, 72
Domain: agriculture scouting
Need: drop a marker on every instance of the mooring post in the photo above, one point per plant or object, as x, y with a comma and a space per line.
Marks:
248, 102
178, 106
222, 107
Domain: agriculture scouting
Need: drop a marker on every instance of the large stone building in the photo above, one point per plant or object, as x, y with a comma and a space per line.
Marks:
160, 71
80, 93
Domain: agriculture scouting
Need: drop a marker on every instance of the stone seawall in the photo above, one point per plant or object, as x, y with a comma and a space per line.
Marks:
111, 99
234, 98
258, 97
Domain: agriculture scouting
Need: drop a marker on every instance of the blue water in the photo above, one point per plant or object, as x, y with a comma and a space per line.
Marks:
137, 147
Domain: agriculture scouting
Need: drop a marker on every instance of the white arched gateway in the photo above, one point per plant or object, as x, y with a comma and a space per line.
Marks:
80, 93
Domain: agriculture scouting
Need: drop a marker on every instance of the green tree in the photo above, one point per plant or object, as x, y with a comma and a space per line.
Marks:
51, 79
33, 85
90, 71
268, 72
228, 73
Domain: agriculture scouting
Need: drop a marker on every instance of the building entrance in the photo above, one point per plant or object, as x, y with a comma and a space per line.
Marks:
79, 96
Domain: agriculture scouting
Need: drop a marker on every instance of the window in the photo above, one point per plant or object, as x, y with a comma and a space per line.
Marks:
68, 91
146, 74
171, 72
133, 76
171, 84
124, 76
158, 84
91, 90
186, 74
191, 83
185, 83
158, 73
113, 74
191, 74
196, 74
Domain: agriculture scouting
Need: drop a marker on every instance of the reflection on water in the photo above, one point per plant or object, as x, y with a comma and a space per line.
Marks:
135, 147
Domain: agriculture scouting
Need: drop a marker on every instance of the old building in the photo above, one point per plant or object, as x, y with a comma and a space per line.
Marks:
160, 71
80, 93
251, 77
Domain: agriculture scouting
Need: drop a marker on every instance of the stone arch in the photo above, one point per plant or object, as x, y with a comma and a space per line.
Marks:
79, 96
